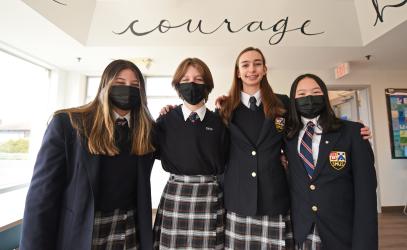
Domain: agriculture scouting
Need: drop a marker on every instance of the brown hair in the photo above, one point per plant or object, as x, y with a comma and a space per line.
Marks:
95, 121
272, 106
200, 66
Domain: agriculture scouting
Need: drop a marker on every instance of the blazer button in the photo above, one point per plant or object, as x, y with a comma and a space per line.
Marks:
254, 174
312, 187
253, 153
314, 208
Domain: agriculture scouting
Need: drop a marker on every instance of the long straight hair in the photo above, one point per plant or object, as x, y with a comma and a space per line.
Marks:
95, 122
327, 119
272, 106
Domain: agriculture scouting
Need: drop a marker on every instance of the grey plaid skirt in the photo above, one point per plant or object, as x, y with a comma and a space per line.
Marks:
115, 230
312, 242
190, 214
258, 232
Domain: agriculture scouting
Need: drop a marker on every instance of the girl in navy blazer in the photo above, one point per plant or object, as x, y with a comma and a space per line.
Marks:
91, 183
255, 184
332, 177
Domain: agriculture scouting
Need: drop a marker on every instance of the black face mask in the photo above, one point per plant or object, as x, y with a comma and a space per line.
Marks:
125, 97
191, 92
310, 106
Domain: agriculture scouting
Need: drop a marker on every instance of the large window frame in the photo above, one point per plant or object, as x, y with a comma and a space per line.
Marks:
26, 86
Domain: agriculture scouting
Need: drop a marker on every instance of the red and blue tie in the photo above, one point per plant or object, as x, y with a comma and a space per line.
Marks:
306, 149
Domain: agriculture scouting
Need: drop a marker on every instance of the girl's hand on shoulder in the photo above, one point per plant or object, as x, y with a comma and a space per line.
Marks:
366, 133
164, 110
220, 101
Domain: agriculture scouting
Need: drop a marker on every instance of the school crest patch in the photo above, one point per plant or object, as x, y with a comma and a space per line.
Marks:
279, 122
337, 159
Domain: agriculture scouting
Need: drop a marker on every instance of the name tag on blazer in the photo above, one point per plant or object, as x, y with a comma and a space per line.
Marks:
209, 129
337, 159
279, 123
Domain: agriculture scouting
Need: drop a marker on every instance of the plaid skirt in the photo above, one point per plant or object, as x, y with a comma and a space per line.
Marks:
115, 230
258, 232
312, 242
190, 214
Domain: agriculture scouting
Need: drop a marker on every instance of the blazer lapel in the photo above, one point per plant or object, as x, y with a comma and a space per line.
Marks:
267, 126
328, 141
235, 131
292, 144
91, 165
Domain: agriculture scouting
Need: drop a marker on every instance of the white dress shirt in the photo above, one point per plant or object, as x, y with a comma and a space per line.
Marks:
244, 97
127, 117
316, 139
186, 112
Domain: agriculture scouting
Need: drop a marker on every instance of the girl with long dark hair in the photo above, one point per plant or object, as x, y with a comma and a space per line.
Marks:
331, 172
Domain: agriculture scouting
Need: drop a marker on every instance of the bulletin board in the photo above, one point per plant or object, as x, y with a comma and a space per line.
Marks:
397, 114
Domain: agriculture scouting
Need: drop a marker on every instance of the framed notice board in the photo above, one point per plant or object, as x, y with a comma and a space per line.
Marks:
397, 113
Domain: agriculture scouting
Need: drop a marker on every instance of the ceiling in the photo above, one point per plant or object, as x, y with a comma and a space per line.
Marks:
82, 35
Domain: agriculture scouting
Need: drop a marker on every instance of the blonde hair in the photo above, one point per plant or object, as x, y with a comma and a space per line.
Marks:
94, 121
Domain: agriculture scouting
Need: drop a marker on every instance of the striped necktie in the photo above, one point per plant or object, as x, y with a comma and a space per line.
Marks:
194, 117
306, 149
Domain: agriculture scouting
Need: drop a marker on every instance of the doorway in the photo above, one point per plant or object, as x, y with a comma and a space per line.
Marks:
353, 103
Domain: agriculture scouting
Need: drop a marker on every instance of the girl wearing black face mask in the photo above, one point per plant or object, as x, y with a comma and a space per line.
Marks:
192, 146
331, 172
91, 182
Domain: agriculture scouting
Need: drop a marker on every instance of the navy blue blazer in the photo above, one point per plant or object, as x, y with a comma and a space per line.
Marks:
341, 197
59, 211
255, 182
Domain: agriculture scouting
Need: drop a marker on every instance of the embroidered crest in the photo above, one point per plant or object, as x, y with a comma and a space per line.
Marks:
337, 159
279, 122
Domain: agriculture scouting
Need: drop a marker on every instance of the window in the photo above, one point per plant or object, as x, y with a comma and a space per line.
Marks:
24, 88
159, 93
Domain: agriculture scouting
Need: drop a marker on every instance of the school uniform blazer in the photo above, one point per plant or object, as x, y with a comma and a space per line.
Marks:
59, 211
255, 182
341, 197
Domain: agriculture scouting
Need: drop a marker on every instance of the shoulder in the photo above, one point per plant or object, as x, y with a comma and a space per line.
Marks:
351, 127
169, 115
284, 99
213, 117
61, 120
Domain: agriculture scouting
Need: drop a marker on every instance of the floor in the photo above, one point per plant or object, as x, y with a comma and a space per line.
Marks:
393, 231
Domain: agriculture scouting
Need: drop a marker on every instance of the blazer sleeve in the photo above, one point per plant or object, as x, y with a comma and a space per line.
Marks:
43, 202
365, 231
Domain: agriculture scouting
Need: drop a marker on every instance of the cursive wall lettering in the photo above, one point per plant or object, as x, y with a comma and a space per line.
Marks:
279, 29
379, 10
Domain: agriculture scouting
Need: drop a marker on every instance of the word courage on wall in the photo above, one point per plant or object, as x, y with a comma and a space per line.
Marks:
278, 29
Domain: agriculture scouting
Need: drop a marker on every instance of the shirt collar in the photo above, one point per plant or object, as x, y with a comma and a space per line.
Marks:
127, 116
244, 97
186, 112
317, 128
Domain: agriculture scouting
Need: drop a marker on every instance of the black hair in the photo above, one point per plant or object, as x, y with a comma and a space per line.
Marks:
327, 119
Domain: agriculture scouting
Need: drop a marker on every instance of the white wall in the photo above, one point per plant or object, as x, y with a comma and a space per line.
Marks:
367, 16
